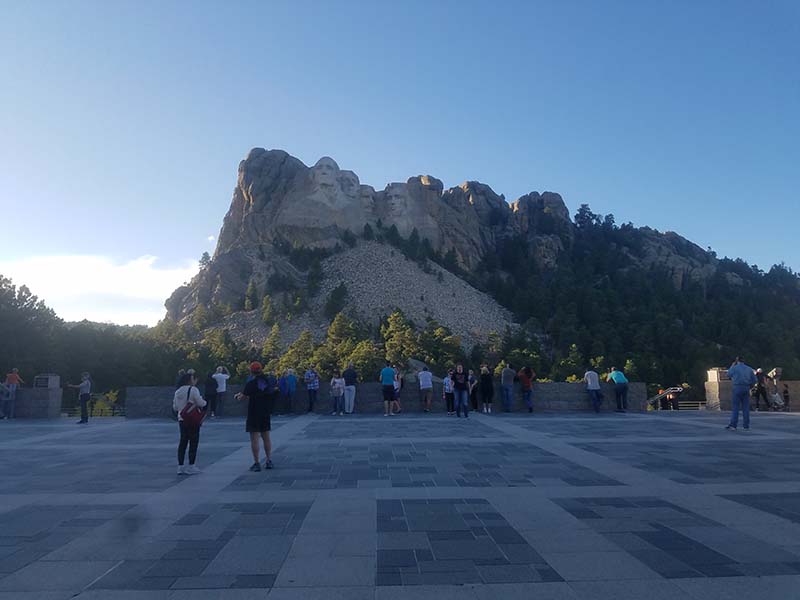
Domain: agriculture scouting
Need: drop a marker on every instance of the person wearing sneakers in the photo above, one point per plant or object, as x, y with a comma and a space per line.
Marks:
190, 435
743, 378
259, 392
387, 386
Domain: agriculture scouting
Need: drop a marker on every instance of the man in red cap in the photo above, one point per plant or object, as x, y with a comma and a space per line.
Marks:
259, 392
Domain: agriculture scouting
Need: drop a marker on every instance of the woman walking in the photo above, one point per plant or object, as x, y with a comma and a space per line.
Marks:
337, 393
620, 388
487, 389
188, 394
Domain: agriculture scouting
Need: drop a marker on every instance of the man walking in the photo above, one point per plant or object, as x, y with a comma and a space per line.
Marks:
425, 378
13, 381
592, 381
743, 378
350, 376
761, 389
507, 385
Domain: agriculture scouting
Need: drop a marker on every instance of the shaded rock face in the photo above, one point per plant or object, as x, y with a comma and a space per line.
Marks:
278, 199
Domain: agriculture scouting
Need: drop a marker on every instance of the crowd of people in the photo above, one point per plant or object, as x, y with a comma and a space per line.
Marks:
462, 390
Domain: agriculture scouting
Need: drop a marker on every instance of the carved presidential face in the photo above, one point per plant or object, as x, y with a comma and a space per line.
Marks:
324, 172
349, 183
367, 196
397, 197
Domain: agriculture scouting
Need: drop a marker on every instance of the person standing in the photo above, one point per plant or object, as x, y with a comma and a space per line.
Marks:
84, 395
210, 393
283, 391
525, 377
350, 381
291, 387
473, 390
311, 379
507, 376
487, 389
386, 378
425, 378
761, 389
620, 382
13, 381
461, 390
259, 392
189, 434
398, 385
221, 377
592, 381
337, 393
449, 393
743, 378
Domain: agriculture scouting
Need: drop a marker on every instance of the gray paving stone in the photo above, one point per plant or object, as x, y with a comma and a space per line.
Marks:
612, 511
53, 576
251, 555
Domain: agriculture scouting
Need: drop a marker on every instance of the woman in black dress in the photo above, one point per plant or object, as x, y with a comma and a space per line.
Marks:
487, 388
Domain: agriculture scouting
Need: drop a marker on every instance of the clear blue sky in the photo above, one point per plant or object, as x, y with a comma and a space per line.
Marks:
122, 123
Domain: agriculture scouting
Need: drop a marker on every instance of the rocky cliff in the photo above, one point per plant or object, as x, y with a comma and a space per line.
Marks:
281, 206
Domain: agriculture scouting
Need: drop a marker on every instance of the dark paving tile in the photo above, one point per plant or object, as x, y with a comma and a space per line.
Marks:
645, 528
455, 552
351, 464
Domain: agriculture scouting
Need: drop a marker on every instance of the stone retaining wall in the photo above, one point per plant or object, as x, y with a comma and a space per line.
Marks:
157, 401
718, 395
38, 403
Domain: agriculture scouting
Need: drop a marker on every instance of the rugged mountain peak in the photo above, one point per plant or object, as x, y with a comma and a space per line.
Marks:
279, 200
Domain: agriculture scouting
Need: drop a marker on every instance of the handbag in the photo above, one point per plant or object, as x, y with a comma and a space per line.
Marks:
190, 413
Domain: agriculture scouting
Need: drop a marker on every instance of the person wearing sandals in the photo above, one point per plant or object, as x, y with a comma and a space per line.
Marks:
188, 393
259, 392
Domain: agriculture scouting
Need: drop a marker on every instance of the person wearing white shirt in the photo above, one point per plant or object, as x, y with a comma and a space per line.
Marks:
592, 381
190, 436
84, 395
425, 378
221, 377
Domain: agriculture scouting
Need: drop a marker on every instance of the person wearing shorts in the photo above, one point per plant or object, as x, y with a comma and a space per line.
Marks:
259, 392
387, 387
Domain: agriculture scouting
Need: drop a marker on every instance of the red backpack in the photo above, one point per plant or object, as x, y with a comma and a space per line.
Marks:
190, 413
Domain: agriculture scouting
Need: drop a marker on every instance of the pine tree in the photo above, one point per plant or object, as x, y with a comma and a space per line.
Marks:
400, 340
267, 312
250, 296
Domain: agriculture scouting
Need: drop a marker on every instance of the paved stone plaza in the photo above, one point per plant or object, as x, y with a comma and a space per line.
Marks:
553, 506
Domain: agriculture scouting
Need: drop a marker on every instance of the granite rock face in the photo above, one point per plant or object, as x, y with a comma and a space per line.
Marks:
280, 201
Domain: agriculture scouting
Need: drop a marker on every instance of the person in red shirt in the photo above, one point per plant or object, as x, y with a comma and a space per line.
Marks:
526, 376
13, 381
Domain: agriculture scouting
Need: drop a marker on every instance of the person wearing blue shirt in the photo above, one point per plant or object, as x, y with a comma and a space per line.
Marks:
387, 385
743, 378
620, 382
